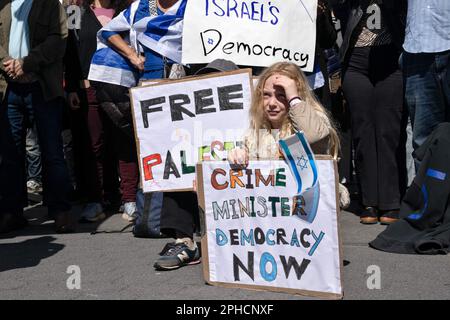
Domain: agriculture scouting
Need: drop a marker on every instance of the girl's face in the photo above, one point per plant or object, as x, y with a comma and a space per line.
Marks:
275, 103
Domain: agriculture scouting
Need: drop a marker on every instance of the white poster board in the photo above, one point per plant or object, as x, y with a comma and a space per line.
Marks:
253, 240
182, 122
251, 33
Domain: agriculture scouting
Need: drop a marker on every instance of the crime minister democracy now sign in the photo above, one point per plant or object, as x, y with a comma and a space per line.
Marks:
252, 33
254, 239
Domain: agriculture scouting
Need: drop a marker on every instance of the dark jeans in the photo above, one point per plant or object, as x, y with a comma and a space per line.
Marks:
374, 92
427, 91
25, 103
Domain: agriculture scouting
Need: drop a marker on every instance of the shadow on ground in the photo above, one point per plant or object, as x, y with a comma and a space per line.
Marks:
27, 253
40, 224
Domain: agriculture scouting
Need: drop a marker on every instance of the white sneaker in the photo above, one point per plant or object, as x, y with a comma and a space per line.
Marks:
129, 212
93, 212
34, 187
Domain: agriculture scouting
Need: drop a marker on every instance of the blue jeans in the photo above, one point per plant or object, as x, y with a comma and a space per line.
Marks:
24, 103
427, 91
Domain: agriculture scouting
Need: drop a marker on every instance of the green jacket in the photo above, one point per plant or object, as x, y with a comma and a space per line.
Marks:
48, 33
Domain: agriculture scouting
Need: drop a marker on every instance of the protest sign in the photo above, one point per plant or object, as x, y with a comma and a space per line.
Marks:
252, 240
252, 33
181, 122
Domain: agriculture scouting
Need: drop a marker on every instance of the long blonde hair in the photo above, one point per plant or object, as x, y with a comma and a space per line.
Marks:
258, 119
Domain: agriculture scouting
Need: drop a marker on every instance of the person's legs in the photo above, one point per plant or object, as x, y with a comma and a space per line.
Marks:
70, 156
48, 116
94, 149
12, 169
97, 161
112, 197
424, 93
125, 149
105, 93
78, 143
129, 171
178, 218
359, 91
389, 126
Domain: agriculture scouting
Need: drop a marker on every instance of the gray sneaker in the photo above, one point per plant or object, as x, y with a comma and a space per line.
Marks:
176, 255
129, 211
93, 212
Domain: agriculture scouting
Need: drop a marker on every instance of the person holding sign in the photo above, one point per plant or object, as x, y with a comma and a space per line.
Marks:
283, 104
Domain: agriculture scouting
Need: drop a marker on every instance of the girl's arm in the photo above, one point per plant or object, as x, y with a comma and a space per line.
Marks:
314, 124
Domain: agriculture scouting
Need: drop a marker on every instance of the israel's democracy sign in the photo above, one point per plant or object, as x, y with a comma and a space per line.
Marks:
253, 33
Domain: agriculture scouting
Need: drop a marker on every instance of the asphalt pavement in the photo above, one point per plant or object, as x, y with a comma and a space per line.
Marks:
35, 263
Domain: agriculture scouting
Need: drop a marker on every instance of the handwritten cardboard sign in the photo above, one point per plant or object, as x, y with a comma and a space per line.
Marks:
182, 122
253, 33
253, 241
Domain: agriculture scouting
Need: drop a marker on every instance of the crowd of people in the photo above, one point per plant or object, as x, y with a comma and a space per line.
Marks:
389, 62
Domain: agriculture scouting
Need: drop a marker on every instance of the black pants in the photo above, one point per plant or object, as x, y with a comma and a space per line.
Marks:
179, 216
95, 161
373, 88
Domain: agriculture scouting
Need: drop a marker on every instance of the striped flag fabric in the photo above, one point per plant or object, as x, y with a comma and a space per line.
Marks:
300, 158
161, 33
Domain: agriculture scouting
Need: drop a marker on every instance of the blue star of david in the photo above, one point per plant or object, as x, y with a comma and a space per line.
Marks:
302, 163
210, 41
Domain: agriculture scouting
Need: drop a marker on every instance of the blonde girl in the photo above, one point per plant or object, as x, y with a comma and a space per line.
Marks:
283, 104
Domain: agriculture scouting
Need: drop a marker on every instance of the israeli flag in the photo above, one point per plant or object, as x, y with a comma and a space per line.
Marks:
300, 158
164, 33
160, 33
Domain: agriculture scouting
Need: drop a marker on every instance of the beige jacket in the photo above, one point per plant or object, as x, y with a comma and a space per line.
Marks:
315, 125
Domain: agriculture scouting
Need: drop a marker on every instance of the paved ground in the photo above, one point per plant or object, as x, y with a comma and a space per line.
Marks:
34, 262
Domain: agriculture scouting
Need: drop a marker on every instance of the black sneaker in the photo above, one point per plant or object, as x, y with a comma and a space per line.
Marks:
176, 255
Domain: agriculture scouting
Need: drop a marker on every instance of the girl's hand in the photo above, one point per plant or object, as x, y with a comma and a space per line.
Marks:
288, 84
238, 156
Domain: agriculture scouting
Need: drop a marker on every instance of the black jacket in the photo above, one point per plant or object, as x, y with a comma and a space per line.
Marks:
425, 210
81, 46
393, 12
